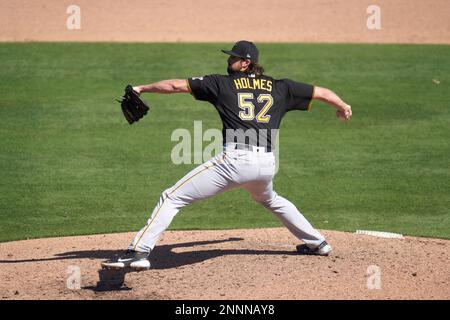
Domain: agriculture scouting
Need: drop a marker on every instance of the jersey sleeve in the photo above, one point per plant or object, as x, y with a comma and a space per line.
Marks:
204, 88
298, 95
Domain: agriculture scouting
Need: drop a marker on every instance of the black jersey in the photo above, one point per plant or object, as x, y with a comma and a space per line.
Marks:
251, 107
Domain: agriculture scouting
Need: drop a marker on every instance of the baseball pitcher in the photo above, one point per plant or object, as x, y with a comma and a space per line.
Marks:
251, 106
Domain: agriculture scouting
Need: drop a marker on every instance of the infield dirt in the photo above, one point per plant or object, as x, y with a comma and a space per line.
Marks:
228, 264
402, 21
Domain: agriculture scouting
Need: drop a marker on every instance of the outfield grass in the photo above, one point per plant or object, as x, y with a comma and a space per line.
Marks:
69, 163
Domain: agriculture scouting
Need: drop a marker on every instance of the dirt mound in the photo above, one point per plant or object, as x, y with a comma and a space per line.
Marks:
229, 264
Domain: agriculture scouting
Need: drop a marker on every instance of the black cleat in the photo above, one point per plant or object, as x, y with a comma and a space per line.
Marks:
132, 259
324, 249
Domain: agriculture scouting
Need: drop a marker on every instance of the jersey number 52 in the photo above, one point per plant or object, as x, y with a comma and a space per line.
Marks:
248, 113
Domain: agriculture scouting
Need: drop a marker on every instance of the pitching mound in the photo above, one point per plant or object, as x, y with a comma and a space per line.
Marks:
230, 264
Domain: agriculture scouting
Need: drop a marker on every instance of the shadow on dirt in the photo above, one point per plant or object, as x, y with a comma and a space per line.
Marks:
162, 257
110, 280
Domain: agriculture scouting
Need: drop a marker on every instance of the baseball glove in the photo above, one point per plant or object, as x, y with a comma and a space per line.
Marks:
133, 107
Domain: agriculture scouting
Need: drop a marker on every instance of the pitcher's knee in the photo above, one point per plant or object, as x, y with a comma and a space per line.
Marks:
170, 195
266, 201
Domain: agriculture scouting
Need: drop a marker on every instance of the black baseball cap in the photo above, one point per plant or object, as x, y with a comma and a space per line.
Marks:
244, 49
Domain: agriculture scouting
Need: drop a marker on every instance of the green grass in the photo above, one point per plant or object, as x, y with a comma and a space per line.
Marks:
69, 163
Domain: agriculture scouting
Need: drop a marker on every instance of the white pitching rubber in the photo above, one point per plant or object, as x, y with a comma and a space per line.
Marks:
381, 234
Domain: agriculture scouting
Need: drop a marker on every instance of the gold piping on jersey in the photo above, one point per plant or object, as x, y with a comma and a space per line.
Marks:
189, 88
312, 98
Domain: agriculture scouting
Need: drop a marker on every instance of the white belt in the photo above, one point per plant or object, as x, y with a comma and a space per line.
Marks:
246, 147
